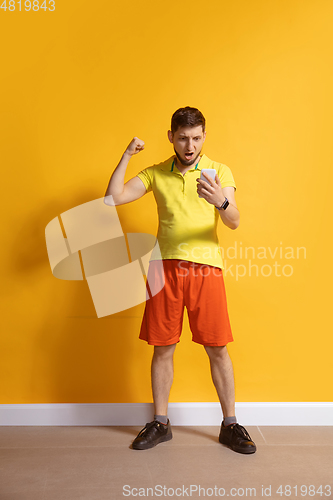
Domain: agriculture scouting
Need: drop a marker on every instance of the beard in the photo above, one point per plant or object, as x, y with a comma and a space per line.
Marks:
187, 163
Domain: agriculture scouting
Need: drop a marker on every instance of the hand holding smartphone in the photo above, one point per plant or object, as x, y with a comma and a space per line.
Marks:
209, 171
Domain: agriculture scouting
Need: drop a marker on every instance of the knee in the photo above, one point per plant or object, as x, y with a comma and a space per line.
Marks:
164, 351
216, 352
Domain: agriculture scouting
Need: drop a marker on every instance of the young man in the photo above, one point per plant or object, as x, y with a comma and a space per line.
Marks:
188, 209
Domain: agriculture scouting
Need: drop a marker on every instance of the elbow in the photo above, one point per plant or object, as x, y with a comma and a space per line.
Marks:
234, 225
108, 200
113, 199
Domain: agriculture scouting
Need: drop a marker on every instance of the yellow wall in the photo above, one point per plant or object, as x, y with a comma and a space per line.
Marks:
76, 85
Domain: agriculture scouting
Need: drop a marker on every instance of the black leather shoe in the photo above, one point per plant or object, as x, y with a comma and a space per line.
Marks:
237, 438
152, 434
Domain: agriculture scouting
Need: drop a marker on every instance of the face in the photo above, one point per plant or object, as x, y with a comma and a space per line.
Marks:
187, 143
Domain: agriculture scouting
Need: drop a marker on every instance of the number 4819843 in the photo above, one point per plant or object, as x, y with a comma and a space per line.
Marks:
27, 5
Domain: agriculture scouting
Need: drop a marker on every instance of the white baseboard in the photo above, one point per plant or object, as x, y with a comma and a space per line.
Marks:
179, 414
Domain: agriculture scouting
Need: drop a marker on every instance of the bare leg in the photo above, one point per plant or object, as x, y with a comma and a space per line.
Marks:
223, 378
162, 377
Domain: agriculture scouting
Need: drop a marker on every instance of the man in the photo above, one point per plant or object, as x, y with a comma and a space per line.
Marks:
188, 209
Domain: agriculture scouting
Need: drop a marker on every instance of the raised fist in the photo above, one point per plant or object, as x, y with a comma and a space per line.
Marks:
135, 146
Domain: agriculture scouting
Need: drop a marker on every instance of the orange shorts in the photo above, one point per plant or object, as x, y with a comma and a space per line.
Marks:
198, 287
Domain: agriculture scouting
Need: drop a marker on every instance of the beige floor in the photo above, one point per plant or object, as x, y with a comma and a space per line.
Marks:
96, 463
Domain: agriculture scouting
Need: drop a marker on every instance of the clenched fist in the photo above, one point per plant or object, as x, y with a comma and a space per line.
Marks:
135, 146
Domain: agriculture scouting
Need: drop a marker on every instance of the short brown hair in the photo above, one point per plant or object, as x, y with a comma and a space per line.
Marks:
187, 117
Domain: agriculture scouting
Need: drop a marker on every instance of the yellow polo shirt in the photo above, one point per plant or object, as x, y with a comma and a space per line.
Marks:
187, 223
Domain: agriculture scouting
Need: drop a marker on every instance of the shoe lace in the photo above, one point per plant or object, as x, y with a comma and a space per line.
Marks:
148, 426
242, 432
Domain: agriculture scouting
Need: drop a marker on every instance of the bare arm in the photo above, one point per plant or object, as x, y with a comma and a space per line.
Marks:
215, 194
118, 193
230, 216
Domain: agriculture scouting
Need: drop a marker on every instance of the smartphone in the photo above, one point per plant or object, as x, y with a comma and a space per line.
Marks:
211, 172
